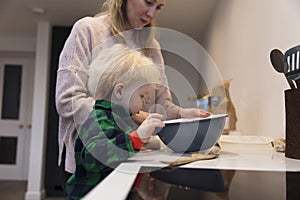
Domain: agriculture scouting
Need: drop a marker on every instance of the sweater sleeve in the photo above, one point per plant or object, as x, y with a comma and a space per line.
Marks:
72, 99
135, 140
162, 94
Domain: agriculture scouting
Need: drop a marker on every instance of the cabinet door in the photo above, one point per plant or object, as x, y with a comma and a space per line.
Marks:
16, 75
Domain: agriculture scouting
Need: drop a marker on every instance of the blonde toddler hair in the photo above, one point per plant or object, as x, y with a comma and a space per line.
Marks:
120, 64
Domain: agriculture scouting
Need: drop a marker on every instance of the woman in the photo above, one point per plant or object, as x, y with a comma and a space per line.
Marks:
73, 102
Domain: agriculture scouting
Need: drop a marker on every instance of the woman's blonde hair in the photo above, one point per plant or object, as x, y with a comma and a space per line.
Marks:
120, 64
116, 9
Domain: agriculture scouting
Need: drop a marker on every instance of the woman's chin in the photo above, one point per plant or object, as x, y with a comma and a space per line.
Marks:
139, 28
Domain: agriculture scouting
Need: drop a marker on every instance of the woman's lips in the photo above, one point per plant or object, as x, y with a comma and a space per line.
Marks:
144, 21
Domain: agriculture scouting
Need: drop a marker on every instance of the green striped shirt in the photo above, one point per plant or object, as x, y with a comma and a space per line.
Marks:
102, 144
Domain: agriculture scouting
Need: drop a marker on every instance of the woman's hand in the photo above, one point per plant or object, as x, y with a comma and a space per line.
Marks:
148, 126
193, 112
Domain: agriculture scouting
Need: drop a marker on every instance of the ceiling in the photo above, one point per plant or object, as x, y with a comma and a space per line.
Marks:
18, 20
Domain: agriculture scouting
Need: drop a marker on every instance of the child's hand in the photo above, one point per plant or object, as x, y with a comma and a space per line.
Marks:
146, 129
140, 117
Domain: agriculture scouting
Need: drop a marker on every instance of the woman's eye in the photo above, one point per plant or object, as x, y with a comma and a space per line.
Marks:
149, 2
159, 7
142, 96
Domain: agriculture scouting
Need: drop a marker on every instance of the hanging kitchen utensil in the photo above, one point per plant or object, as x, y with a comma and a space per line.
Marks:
276, 57
292, 64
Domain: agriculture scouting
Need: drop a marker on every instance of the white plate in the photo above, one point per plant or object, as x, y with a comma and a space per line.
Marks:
183, 120
245, 139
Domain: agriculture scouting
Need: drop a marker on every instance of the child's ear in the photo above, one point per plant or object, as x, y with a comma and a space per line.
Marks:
118, 90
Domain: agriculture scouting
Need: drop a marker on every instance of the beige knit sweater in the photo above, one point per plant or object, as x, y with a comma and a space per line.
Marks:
72, 101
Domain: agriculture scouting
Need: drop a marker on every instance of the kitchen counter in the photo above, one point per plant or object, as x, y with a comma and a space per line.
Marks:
260, 158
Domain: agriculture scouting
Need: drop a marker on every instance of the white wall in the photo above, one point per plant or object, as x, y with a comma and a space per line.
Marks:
13, 44
239, 38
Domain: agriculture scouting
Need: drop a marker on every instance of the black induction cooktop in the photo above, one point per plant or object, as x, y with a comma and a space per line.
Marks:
214, 184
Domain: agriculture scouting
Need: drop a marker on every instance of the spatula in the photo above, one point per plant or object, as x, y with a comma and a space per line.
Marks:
193, 158
277, 57
292, 64
214, 152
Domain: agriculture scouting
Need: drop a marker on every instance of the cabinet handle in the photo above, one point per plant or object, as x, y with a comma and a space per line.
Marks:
29, 126
21, 126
